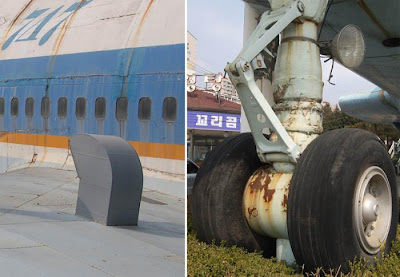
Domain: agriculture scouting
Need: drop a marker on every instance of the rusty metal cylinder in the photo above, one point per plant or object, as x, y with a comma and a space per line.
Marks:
297, 83
265, 202
297, 86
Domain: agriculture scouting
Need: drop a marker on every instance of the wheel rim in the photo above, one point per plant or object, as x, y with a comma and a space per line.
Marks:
372, 213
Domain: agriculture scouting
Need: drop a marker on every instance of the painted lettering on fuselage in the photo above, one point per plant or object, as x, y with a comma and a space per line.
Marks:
37, 20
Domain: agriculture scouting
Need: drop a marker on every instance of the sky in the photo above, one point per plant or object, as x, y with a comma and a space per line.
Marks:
218, 27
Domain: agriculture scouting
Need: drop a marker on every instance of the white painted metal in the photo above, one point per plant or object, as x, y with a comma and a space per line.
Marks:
298, 83
284, 251
164, 25
314, 10
250, 23
261, 117
264, 84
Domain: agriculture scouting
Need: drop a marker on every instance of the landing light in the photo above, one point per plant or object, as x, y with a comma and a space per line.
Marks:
348, 47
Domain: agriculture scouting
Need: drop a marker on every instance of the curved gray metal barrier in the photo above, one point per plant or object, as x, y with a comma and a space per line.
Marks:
111, 179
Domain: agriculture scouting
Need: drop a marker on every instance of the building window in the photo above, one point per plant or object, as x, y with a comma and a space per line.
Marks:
62, 107
144, 111
80, 108
121, 111
45, 107
100, 108
1, 106
29, 107
169, 109
14, 106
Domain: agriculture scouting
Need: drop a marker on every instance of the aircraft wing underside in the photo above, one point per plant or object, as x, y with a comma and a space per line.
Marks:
379, 23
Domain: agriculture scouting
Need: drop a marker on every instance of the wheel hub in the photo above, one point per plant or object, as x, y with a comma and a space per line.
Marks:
372, 211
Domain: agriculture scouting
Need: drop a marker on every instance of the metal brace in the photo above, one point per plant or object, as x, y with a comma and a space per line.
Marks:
279, 146
394, 152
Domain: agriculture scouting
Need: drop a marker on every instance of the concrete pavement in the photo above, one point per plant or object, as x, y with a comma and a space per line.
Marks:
41, 236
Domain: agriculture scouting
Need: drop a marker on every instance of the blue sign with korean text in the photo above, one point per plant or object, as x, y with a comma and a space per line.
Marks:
213, 121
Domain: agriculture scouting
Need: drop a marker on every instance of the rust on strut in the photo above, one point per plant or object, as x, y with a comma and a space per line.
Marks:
265, 201
260, 181
252, 212
285, 198
269, 193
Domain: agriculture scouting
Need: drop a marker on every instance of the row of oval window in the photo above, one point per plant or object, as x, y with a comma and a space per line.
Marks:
121, 110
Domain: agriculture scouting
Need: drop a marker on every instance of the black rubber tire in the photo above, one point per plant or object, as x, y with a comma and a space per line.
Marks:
320, 204
218, 196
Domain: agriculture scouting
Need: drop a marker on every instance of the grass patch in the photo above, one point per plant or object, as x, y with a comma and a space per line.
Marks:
211, 260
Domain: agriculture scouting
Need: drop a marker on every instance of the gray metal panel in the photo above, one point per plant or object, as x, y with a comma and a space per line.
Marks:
111, 179
378, 21
375, 106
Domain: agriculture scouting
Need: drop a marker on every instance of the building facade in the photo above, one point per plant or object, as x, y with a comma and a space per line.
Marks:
228, 91
210, 119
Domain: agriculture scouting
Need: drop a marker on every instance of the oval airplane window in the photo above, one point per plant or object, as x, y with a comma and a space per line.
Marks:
45, 107
169, 109
144, 110
62, 107
14, 106
29, 107
100, 108
121, 112
1, 106
80, 108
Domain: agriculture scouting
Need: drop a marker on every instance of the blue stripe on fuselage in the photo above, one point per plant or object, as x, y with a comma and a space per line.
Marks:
156, 72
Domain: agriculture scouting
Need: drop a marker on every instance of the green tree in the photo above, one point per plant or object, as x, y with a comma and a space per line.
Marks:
335, 119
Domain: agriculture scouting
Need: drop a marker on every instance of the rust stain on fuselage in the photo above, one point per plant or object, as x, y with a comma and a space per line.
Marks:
139, 29
63, 31
133, 44
5, 36
56, 48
